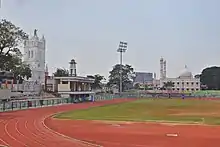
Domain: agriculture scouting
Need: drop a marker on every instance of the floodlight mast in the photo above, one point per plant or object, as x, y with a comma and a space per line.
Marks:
122, 49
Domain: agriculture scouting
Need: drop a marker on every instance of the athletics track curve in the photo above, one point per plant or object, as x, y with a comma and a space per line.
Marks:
26, 128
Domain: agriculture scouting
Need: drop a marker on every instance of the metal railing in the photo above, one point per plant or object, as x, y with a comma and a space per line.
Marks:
32, 103
37, 103
46, 102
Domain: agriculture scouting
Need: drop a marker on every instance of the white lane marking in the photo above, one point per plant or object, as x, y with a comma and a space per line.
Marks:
3, 122
70, 138
171, 135
44, 132
16, 128
6, 130
37, 136
5, 143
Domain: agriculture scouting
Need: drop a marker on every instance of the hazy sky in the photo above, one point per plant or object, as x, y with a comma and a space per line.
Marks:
185, 32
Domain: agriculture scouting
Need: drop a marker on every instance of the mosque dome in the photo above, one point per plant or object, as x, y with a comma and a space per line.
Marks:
185, 73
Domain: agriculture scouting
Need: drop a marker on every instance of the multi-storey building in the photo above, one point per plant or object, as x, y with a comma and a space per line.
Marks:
143, 78
185, 82
73, 86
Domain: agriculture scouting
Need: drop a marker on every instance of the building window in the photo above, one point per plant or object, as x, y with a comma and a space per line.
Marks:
29, 54
32, 54
177, 89
38, 65
9, 82
197, 89
192, 89
197, 83
173, 88
64, 82
178, 83
192, 83
187, 89
187, 83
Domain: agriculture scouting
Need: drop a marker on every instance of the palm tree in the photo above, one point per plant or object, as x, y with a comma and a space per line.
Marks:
98, 81
136, 86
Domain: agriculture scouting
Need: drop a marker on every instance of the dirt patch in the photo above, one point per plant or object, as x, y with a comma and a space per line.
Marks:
161, 122
113, 122
197, 114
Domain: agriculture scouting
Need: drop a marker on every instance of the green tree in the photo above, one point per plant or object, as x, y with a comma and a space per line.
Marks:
61, 72
11, 39
197, 76
168, 85
98, 81
127, 76
136, 86
21, 72
210, 77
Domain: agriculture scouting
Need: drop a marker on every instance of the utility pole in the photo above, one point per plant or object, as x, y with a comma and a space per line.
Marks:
122, 48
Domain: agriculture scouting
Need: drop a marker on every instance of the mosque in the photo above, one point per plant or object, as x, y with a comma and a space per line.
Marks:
184, 82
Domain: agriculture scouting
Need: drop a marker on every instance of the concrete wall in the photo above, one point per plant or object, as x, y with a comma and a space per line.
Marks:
64, 87
27, 87
5, 93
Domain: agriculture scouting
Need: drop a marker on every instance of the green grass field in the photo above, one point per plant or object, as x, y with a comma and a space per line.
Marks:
164, 110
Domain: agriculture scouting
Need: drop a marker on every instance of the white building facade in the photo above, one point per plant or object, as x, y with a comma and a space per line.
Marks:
34, 55
185, 82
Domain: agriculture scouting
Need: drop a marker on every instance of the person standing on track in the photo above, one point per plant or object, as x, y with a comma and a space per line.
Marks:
169, 95
183, 96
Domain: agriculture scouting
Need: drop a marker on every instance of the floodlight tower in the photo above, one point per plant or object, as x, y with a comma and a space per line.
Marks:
121, 49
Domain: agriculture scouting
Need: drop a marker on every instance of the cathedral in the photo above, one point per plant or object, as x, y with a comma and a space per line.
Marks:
34, 55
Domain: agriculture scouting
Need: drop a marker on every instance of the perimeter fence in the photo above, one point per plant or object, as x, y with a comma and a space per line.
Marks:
12, 105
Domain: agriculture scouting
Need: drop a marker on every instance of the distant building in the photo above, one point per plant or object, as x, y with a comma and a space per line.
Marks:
6, 82
143, 78
185, 82
73, 86
50, 83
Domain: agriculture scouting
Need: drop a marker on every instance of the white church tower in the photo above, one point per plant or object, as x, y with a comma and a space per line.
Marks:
34, 55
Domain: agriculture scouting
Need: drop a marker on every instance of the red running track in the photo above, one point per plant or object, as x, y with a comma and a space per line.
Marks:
26, 128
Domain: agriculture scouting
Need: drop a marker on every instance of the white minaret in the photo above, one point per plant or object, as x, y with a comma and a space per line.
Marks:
164, 69
161, 68
34, 55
